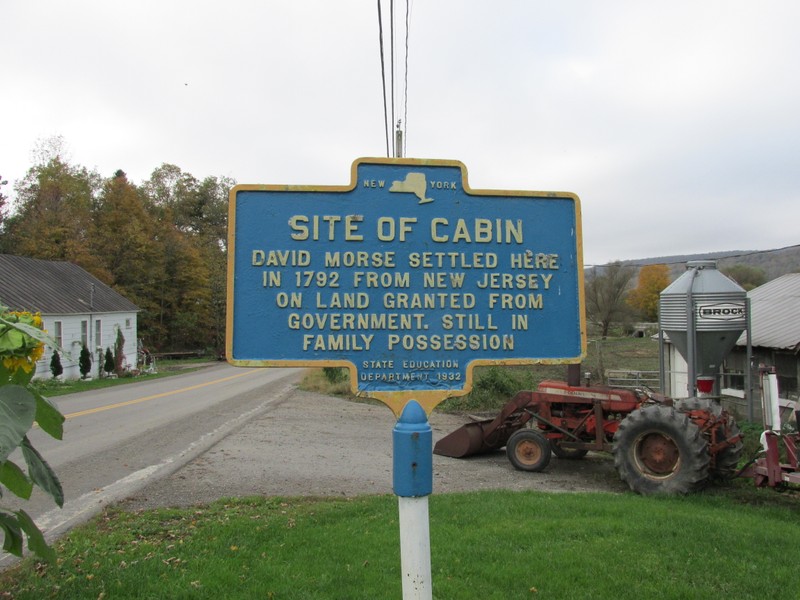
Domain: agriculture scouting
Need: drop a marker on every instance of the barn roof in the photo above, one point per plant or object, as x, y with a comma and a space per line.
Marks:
774, 319
55, 288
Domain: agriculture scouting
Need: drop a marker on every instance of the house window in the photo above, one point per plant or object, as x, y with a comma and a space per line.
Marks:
84, 332
98, 333
57, 334
786, 366
127, 323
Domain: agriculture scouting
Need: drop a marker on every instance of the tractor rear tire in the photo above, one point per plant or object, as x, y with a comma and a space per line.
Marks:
568, 453
528, 450
726, 463
659, 450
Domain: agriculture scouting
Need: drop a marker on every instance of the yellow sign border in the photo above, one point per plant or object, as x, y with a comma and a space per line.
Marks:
428, 399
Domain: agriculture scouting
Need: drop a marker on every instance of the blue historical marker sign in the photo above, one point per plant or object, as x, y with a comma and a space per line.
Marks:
406, 276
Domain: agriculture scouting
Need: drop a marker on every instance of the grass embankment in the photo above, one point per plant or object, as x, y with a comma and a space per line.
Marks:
166, 368
500, 545
494, 386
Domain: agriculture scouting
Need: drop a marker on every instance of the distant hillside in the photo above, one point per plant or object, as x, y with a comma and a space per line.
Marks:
773, 262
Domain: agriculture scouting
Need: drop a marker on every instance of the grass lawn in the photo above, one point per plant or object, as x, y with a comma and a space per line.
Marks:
497, 544
494, 386
166, 368
734, 541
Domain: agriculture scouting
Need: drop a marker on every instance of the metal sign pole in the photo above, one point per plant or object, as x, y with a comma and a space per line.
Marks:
691, 340
413, 483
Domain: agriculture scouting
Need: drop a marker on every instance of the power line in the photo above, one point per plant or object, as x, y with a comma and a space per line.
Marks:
390, 110
383, 79
405, 85
391, 35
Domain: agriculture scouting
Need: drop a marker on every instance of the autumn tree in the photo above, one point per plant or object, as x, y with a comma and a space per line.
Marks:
210, 220
170, 190
162, 244
196, 252
126, 247
3, 201
54, 213
746, 276
605, 290
645, 296
194, 207
182, 292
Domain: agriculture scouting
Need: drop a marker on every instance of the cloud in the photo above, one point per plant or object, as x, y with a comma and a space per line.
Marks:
661, 117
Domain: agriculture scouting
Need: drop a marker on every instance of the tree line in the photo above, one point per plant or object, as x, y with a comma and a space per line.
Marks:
161, 244
611, 297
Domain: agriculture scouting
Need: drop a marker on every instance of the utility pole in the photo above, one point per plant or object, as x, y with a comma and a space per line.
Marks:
398, 141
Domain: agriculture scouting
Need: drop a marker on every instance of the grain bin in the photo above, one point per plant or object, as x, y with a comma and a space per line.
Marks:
703, 312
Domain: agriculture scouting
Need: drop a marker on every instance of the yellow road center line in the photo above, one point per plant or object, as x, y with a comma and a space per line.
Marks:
92, 411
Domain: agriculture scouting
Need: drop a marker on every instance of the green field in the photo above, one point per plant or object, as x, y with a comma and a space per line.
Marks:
731, 541
493, 545
494, 386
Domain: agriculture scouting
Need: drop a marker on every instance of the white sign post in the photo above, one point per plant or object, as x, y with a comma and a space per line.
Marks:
413, 483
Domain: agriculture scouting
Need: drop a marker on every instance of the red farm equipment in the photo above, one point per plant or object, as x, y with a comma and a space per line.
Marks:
659, 445
768, 468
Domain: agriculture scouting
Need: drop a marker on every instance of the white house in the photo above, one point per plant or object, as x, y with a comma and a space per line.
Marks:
77, 309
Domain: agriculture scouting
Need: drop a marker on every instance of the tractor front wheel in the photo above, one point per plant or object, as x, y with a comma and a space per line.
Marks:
658, 450
528, 450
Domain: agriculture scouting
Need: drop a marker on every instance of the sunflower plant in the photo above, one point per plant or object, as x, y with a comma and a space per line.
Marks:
22, 342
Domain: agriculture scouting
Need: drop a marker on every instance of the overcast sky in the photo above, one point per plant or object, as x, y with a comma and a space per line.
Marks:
676, 123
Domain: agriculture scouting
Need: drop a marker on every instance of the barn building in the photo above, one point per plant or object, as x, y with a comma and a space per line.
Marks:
77, 309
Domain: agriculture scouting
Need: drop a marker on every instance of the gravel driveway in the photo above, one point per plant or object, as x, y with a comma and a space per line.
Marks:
315, 445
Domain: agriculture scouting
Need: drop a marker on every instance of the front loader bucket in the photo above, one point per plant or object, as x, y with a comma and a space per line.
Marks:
480, 437
466, 441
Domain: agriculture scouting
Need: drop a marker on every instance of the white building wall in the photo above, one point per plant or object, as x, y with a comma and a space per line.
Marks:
678, 373
72, 341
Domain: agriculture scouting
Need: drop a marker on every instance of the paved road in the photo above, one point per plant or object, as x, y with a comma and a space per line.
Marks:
225, 432
308, 444
118, 439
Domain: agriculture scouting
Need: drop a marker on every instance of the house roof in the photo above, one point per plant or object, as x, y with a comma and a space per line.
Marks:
55, 287
773, 314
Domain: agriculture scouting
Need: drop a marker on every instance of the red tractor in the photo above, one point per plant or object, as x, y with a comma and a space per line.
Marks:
659, 445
